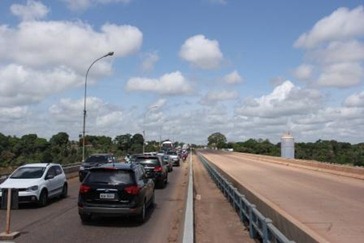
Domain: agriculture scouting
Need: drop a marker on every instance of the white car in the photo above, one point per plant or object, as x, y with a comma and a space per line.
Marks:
36, 183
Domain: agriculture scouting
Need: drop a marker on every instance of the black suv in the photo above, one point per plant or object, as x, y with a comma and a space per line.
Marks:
93, 161
115, 189
154, 167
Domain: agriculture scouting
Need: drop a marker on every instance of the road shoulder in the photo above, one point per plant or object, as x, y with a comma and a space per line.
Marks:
215, 219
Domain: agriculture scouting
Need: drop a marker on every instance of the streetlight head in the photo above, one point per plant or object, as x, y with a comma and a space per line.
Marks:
110, 53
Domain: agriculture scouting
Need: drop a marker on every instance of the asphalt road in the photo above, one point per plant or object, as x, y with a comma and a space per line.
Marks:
329, 206
59, 221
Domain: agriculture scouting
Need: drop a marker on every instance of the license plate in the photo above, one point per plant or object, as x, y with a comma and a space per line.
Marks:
107, 195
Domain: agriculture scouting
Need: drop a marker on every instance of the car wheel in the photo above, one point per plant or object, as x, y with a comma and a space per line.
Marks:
85, 218
43, 198
141, 217
64, 191
161, 184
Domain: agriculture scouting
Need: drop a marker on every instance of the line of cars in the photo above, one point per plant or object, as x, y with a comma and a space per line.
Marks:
108, 187
121, 189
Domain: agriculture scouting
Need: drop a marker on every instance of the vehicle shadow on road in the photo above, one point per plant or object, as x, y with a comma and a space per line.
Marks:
121, 221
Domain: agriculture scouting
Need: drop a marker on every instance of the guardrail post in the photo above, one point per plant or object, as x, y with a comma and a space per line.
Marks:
252, 229
7, 196
265, 230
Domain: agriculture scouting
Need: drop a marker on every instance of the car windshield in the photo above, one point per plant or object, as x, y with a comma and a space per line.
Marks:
28, 173
110, 177
172, 153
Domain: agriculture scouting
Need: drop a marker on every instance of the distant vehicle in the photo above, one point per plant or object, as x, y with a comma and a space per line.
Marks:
93, 161
115, 190
155, 168
37, 183
167, 145
173, 156
165, 159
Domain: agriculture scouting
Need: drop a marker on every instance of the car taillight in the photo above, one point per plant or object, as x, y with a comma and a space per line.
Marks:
84, 189
158, 168
133, 190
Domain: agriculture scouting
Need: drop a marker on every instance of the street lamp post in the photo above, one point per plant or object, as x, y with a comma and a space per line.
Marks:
145, 114
84, 105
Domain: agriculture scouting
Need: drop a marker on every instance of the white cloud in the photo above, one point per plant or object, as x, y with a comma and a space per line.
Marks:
285, 100
33, 10
335, 50
42, 44
215, 96
349, 51
12, 113
20, 85
341, 75
342, 24
168, 84
109, 119
304, 72
201, 52
41, 62
233, 78
355, 100
149, 60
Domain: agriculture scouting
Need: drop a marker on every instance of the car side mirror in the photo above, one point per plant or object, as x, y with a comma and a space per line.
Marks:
50, 176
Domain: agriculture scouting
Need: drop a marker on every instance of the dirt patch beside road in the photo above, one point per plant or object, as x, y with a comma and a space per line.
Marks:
215, 219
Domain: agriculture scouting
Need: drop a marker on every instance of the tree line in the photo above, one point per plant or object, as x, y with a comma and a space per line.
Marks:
59, 148
330, 151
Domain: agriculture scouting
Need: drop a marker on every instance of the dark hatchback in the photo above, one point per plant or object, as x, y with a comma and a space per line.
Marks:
155, 168
93, 161
115, 190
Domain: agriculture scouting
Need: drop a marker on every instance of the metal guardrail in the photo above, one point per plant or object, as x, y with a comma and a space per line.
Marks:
260, 227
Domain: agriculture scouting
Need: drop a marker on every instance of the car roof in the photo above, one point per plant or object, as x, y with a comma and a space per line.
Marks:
117, 166
38, 165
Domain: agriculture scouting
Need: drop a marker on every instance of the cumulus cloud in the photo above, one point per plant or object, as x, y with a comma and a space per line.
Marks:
169, 84
201, 52
100, 115
215, 96
233, 78
341, 75
342, 24
20, 85
40, 44
355, 100
41, 62
285, 100
33, 10
335, 48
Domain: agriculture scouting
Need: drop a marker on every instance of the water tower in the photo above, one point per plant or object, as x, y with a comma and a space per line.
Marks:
287, 146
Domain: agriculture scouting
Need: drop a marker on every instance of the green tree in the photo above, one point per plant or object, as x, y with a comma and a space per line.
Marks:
216, 140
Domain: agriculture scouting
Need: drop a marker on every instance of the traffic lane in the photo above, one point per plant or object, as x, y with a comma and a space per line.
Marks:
327, 204
59, 221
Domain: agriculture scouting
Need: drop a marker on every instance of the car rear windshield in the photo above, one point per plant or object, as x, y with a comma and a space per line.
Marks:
171, 153
97, 159
148, 161
110, 177
28, 173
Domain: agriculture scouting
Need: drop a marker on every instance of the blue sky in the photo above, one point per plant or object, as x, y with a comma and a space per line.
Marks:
183, 70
